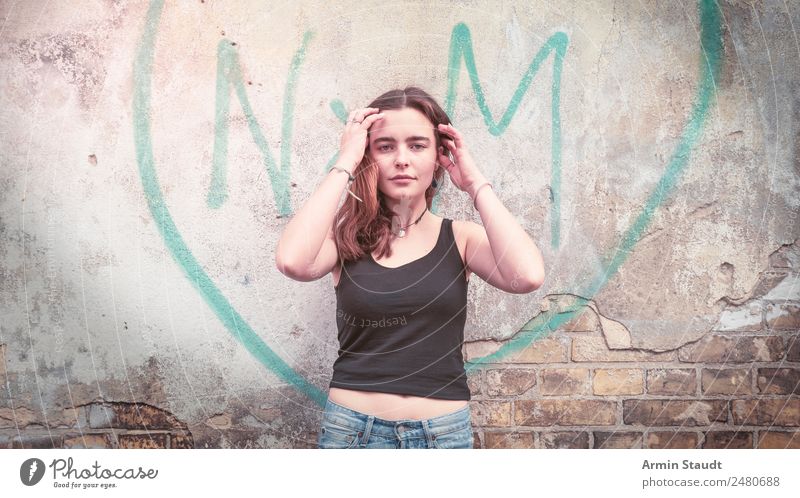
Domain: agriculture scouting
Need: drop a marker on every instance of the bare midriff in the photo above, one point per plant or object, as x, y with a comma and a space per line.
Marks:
390, 406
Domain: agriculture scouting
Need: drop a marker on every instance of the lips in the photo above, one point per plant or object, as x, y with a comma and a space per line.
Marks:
402, 177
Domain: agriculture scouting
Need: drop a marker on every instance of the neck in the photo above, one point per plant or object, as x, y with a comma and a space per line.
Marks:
407, 210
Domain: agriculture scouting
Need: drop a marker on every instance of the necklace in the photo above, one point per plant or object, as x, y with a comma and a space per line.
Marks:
401, 231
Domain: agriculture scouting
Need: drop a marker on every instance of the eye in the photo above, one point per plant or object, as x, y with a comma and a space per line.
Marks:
384, 148
420, 146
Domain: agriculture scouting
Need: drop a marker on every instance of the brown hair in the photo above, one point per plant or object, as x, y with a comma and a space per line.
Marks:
365, 226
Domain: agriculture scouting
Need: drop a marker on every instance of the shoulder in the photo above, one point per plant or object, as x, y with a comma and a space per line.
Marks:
468, 234
466, 230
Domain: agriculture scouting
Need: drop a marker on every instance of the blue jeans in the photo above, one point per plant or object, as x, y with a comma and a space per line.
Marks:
345, 428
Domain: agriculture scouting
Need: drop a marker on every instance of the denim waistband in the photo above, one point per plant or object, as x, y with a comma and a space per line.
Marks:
341, 415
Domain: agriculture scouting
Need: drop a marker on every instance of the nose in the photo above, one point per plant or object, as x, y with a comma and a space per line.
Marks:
401, 158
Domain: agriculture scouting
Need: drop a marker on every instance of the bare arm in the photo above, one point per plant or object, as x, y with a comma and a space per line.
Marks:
502, 253
307, 250
299, 249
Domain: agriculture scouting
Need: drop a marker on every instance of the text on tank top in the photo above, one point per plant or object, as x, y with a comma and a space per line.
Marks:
401, 329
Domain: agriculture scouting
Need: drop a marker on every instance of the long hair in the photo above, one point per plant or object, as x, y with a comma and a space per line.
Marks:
366, 226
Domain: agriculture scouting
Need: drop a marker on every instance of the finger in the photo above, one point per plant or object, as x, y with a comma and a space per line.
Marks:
361, 114
449, 129
446, 161
367, 111
452, 132
371, 119
445, 153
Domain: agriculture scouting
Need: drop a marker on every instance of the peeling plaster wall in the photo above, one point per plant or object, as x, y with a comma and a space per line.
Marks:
152, 154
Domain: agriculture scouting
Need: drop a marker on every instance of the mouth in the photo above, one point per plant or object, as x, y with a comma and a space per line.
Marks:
401, 178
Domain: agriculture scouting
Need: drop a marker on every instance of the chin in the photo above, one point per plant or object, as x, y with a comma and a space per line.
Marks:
401, 193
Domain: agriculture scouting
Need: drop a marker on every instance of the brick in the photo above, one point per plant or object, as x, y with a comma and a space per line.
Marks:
185, 441
674, 412
779, 380
547, 350
142, 416
768, 281
724, 349
19, 417
550, 349
618, 440
133, 416
585, 321
618, 381
477, 442
95, 441
35, 442
100, 416
793, 348
491, 413
73, 417
565, 381
516, 440
595, 349
785, 291
152, 440
564, 440
781, 440
479, 349
783, 316
727, 381
728, 440
745, 318
671, 381
475, 381
617, 336
776, 411
509, 381
565, 412
77, 417
674, 440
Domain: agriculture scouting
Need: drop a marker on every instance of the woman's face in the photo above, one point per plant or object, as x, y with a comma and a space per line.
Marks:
403, 145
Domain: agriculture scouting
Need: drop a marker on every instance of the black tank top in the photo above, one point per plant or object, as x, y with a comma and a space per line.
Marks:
401, 329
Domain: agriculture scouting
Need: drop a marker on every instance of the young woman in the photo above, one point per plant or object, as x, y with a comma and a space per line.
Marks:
400, 273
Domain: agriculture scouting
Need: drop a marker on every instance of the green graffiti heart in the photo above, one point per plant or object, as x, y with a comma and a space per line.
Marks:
710, 65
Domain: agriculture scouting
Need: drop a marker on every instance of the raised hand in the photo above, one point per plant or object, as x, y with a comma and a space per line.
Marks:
354, 138
462, 169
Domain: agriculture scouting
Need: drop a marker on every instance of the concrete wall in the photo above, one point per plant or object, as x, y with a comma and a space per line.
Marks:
152, 153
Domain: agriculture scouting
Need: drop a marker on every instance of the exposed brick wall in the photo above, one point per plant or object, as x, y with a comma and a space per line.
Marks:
736, 387
95, 425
